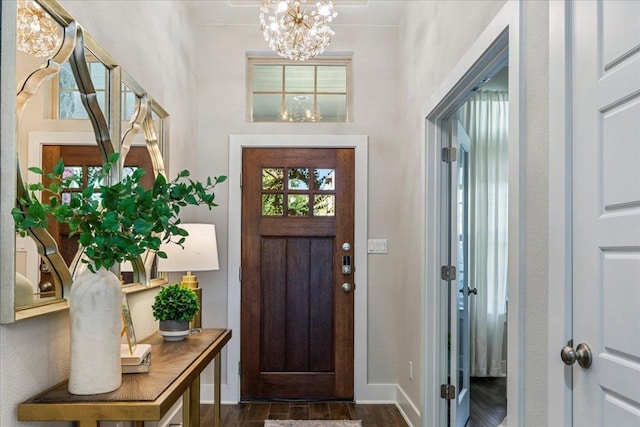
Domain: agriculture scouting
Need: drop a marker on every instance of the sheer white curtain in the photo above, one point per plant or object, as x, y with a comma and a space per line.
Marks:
485, 117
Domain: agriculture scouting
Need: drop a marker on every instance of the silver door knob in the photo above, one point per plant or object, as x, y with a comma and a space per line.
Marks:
346, 287
581, 354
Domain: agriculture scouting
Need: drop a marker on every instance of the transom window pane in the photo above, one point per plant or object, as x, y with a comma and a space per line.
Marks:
299, 78
332, 79
267, 78
69, 102
317, 91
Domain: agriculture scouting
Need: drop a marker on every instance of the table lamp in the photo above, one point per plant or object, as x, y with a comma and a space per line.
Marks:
199, 252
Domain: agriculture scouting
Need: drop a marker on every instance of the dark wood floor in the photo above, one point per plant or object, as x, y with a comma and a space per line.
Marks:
488, 401
488, 409
254, 414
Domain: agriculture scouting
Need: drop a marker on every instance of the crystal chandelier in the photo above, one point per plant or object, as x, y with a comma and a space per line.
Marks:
295, 31
37, 33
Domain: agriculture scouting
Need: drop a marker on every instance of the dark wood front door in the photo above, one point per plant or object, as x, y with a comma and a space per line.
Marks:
296, 320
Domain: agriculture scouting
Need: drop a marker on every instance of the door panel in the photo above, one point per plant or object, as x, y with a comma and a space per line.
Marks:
606, 212
296, 321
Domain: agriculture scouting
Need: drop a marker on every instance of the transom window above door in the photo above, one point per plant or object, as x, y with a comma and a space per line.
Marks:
316, 91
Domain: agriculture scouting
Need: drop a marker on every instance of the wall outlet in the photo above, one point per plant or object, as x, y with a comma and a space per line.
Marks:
411, 370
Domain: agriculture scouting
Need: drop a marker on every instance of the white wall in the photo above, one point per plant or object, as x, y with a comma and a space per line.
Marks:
152, 41
222, 111
433, 37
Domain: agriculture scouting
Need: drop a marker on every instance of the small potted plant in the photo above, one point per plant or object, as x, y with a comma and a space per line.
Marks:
175, 306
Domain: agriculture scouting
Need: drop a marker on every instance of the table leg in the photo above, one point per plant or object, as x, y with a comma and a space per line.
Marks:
87, 423
195, 402
217, 361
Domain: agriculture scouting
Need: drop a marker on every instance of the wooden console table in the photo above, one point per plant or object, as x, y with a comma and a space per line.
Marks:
175, 369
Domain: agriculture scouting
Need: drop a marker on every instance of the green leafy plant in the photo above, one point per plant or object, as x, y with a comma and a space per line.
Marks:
175, 302
115, 222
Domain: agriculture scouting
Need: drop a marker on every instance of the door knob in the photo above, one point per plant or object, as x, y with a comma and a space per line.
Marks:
346, 287
581, 354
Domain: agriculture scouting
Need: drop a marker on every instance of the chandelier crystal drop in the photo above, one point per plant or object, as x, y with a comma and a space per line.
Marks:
37, 33
296, 29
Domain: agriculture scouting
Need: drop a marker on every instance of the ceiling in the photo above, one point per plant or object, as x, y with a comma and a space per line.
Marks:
350, 12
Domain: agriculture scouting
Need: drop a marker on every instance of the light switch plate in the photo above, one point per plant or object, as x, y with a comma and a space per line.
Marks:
377, 246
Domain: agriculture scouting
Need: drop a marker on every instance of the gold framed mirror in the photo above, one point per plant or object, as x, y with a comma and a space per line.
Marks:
72, 102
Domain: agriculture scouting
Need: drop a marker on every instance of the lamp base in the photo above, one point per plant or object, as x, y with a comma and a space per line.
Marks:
189, 281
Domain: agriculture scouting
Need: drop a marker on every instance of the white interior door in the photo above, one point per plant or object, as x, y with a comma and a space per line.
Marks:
606, 211
459, 332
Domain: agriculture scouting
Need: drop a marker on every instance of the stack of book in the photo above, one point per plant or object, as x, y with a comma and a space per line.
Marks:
136, 361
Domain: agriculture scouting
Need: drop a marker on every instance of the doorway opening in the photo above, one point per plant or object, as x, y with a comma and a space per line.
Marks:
474, 212
479, 230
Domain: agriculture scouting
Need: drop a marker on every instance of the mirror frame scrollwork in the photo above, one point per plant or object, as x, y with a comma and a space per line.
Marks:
76, 43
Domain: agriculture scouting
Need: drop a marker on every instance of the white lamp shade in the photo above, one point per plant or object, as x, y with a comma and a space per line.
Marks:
199, 251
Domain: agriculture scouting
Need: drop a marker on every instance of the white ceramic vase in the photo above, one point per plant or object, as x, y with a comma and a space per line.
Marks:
95, 308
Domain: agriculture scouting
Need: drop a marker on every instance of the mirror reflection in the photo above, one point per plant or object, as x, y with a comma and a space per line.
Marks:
63, 111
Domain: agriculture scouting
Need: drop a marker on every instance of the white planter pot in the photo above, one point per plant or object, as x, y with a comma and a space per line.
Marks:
96, 322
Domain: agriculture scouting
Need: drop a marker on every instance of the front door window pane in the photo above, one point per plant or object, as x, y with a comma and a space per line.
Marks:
74, 172
298, 205
324, 205
324, 179
298, 179
272, 205
93, 173
273, 179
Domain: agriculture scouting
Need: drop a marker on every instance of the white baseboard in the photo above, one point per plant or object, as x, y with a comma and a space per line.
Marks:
376, 393
207, 394
407, 408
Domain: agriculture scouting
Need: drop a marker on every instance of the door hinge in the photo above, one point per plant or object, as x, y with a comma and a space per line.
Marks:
449, 154
240, 274
448, 272
239, 369
240, 180
448, 391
